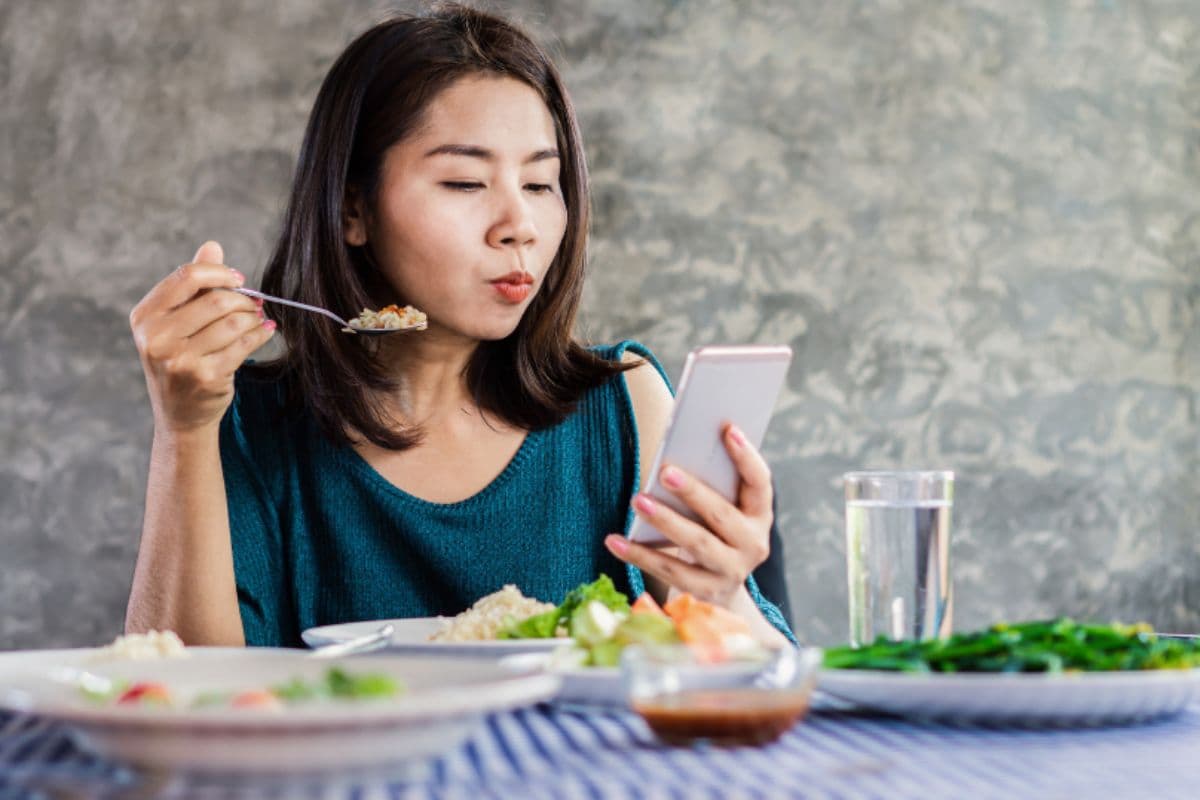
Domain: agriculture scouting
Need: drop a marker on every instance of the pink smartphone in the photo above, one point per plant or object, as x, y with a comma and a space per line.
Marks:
723, 384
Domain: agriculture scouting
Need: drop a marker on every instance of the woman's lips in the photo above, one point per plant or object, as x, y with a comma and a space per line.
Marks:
515, 286
512, 292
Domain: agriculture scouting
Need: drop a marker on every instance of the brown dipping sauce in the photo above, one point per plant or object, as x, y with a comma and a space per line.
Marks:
723, 716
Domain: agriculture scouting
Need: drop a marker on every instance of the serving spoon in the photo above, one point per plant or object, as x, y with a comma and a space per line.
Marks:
346, 326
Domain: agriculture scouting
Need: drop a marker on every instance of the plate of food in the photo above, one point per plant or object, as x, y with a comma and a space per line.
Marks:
490, 627
602, 623
263, 710
1054, 672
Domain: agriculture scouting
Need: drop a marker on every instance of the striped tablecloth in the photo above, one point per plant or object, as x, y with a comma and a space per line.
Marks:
553, 753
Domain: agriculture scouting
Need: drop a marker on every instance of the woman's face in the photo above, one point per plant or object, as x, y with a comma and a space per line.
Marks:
469, 213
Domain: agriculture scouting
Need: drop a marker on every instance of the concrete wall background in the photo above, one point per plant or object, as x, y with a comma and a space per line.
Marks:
977, 224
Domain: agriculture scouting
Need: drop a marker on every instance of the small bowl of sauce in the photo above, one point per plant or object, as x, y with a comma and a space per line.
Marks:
685, 699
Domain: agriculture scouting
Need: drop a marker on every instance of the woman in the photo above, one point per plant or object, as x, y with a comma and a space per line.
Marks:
408, 475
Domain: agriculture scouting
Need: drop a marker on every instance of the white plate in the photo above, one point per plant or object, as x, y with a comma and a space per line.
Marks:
589, 685
604, 685
412, 635
444, 700
1094, 698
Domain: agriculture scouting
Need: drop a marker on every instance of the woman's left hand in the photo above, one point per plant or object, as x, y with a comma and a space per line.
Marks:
728, 542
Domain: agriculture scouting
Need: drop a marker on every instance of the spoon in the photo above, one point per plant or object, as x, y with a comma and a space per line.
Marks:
346, 326
375, 640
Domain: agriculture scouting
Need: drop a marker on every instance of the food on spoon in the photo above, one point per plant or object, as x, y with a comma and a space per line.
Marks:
490, 616
389, 318
1053, 646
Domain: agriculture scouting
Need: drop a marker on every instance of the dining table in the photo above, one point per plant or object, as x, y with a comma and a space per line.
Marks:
572, 751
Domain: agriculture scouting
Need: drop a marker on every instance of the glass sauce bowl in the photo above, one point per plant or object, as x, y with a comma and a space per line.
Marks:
685, 698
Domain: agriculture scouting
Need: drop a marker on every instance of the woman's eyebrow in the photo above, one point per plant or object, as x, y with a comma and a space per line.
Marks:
474, 151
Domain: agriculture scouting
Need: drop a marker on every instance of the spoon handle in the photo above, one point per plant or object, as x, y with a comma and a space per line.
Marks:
273, 299
376, 640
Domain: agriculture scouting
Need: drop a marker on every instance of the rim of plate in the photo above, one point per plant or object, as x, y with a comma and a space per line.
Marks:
433, 704
339, 632
1030, 678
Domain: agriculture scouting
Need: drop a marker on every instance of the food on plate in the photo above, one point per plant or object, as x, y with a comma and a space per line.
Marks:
390, 317
602, 623
557, 620
335, 685
1053, 646
490, 616
145, 693
143, 647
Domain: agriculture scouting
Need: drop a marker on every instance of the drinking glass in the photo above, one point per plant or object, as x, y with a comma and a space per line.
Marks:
898, 554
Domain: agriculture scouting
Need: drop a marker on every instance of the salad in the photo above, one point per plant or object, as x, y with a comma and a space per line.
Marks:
335, 685
1052, 646
601, 623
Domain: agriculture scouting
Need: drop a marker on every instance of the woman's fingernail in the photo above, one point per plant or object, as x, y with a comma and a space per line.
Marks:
237, 276
739, 438
269, 324
644, 504
672, 478
616, 542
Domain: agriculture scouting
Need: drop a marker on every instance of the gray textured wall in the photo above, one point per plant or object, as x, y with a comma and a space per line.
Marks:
977, 223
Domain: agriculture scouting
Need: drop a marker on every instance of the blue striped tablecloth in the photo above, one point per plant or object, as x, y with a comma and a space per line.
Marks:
554, 753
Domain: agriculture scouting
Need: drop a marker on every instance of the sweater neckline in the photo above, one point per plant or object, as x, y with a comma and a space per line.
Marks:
350, 457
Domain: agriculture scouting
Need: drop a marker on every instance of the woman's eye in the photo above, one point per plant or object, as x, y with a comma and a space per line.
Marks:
539, 188
462, 186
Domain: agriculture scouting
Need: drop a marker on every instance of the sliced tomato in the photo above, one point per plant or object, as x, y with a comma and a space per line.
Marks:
256, 698
145, 692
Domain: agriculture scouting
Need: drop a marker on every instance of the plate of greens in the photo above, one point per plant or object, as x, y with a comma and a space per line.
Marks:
262, 710
1051, 672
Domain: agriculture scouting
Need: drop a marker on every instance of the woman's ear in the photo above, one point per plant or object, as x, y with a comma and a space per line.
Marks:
354, 219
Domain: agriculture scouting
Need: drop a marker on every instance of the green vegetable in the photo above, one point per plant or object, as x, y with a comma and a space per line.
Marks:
360, 687
593, 623
544, 626
211, 699
1053, 646
106, 694
646, 629
339, 684
605, 654
296, 690
539, 626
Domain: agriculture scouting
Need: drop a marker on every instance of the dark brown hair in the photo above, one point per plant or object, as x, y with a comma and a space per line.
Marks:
373, 97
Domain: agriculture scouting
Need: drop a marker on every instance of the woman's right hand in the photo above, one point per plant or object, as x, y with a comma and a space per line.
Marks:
192, 339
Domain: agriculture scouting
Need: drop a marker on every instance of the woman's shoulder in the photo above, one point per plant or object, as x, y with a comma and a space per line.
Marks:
623, 350
647, 375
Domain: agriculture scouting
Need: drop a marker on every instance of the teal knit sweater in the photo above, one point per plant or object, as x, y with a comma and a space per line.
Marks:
320, 537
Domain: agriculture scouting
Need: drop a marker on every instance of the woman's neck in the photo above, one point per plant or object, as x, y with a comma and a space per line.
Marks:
431, 375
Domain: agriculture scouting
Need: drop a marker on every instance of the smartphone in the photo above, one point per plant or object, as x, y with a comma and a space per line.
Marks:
719, 385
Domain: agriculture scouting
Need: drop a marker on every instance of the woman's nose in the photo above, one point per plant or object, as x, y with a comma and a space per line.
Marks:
514, 226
